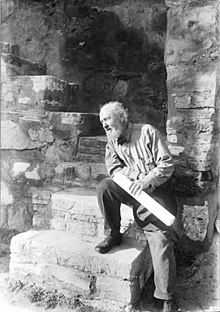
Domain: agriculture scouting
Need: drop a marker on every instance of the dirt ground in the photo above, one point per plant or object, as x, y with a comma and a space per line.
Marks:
197, 286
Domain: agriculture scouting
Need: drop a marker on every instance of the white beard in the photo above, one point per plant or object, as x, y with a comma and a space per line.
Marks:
113, 134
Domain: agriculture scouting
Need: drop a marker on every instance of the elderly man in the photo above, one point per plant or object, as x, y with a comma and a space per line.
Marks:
141, 155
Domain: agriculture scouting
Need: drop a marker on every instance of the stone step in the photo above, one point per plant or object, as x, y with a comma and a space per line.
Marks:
12, 65
68, 262
92, 149
80, 173
76, 209
34, 129
9, 48
43, 93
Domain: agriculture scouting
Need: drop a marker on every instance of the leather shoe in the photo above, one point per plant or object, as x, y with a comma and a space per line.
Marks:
108, 243
169, 306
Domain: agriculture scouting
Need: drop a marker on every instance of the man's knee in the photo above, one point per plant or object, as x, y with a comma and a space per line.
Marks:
105, 185
158, 239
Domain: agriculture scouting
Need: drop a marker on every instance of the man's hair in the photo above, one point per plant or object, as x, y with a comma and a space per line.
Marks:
117, 107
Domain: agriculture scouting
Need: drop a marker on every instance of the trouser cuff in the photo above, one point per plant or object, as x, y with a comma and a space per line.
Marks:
163, 296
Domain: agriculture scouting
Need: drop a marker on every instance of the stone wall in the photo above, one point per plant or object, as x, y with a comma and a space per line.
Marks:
33, 149
112, 49
126, 64
192, 62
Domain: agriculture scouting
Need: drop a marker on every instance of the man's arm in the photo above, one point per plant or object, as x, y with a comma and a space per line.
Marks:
163, 160
164, 165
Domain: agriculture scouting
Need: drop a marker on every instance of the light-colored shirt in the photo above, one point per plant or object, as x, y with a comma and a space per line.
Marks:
142, 150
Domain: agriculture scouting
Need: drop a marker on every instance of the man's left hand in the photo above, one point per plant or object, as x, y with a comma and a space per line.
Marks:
138, 186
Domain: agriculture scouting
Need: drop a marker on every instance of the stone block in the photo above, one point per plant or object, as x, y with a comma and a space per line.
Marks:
92, 149
76, 209
3, 216
12, 65
64, 173
33, 174
191, 29
195, 130
217, 221
41, 217
42, 195
89, 226
98, 142
70, 125
9, 48
60, 151
19, 168
190, 182
80, 173
20, 214
25, 132
191, 82
82, 157
39, 93
196, 115
199, 154
12, 137
68, 250
196, 99
37, 128
71, 262
195, 221
41, 198
6, 194
90, 172
8, 7
198, 128
83, 283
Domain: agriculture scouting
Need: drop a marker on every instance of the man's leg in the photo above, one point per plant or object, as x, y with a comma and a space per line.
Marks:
164, 265
110, 196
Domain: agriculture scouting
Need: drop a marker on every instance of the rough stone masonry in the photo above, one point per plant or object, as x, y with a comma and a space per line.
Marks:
94, 52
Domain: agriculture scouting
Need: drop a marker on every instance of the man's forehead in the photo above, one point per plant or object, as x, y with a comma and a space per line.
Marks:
106, 110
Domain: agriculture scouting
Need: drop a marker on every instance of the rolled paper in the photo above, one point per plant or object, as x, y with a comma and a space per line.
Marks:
146, 200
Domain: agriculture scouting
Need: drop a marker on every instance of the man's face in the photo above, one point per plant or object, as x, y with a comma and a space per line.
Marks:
113, 122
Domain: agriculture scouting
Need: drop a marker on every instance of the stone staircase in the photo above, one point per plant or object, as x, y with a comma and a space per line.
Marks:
12, 64
58, 251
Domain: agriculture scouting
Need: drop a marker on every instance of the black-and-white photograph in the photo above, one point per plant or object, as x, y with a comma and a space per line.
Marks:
110, 170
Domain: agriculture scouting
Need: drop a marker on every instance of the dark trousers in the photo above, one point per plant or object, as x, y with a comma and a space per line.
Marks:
160, 237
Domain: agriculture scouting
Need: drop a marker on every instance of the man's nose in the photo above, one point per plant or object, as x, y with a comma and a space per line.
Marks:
104, 124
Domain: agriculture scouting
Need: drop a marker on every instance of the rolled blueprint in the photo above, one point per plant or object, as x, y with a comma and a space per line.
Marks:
147, 201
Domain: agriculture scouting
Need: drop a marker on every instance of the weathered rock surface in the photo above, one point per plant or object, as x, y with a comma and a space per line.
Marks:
113, 50
191, 58
76, 209
80, 173
127, 64
41, 147
10, 48
70, 262
39, 93
12, 65
92, 149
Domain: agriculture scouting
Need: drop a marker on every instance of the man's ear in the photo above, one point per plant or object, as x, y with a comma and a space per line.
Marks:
122, 117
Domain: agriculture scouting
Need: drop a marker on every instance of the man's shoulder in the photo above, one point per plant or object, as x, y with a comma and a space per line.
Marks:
144, 128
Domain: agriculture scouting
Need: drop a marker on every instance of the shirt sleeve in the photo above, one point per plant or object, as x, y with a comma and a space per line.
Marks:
164, 165
115, 164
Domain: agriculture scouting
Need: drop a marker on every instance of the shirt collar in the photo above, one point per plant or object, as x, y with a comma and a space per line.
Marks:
126, 137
